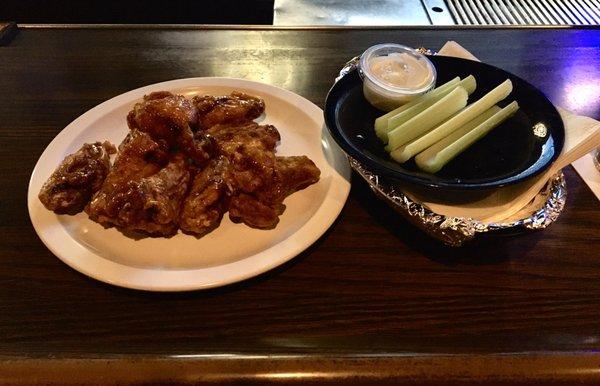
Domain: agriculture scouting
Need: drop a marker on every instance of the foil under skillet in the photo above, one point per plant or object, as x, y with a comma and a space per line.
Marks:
542, 211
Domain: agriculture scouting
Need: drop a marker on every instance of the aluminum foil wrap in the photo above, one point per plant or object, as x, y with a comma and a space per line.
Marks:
542, 211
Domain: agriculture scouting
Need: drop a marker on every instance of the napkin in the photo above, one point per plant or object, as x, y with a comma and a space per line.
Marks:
582, 135
589, 172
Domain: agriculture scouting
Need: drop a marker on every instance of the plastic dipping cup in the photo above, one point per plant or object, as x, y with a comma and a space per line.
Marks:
394, 74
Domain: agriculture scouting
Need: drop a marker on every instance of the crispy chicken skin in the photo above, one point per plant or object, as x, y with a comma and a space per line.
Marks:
170, 118
236, 107
144, 189
77, 178
208, 199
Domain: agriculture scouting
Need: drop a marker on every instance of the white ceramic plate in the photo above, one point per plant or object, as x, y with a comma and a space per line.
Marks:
232, 252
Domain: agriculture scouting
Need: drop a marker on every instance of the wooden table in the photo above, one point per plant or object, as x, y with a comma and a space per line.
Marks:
373, 301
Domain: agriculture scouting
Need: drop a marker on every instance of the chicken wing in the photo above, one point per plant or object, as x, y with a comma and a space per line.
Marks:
262, 208
170, 118
259, 181
207, 200
234, 108
171, 138
250, 149
291, 174
246, 164
77, 178
144, 189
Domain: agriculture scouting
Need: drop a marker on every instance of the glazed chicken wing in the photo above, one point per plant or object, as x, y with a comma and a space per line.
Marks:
262, 208
170, 118
259, 181
77, 178
234, 108
293, 174
250, 149
246, 163
207, 200
144, 189
172, 139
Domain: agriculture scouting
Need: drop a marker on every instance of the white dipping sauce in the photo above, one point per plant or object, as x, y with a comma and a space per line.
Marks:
400, 70
394, 74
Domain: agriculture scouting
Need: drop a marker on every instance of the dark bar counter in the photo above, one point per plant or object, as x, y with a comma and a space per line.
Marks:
373, 301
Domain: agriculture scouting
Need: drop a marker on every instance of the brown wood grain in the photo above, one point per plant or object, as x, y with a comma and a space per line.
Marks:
371, 286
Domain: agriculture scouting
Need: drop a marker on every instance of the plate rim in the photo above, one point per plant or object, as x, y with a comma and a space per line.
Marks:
329, 113
91, 264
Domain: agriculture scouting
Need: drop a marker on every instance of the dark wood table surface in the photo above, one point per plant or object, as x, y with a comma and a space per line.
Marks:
372, 301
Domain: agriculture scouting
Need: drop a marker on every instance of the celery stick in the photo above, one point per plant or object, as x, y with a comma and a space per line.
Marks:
438, 155
381, 123
428, 118
406, 152
454, 123
468, 84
